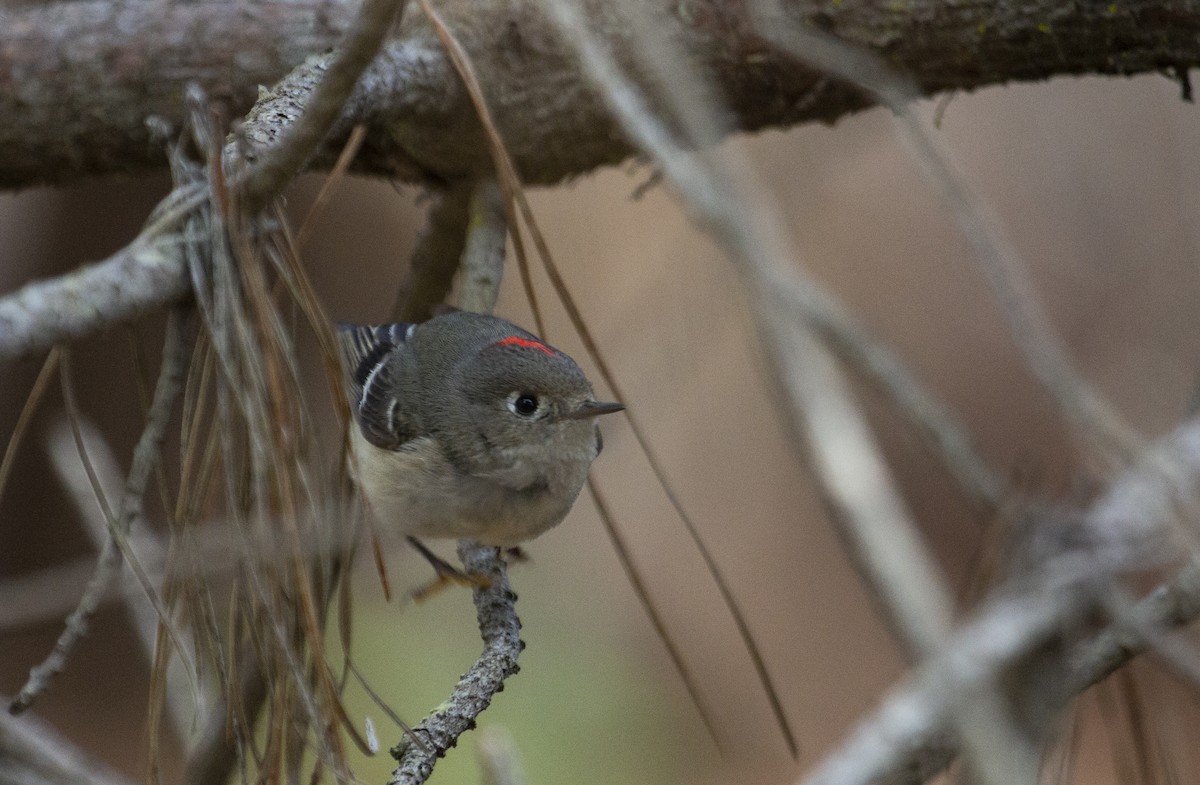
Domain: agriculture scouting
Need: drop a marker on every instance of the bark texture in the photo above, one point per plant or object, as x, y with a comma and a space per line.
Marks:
78, 80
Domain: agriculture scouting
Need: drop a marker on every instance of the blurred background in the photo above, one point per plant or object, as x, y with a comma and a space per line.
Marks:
1096, 182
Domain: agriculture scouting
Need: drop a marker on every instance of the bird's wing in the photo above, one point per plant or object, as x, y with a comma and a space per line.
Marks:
369, 351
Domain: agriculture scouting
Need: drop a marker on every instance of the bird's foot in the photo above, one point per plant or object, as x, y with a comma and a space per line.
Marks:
446, 574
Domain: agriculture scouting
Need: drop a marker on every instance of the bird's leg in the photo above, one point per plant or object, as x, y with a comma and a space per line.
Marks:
446, 574
516, 555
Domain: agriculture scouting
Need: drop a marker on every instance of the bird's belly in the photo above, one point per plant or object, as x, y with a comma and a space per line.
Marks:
416, 492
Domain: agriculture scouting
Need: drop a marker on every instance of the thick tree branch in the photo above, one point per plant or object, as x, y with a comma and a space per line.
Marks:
78, 79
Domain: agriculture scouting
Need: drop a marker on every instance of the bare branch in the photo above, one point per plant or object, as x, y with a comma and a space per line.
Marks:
501, 632
483, 258
146, 455
909, 738
144, 276
280, 155
33, 753
71, 113
436, 257
150, 272
991, 248
943, 434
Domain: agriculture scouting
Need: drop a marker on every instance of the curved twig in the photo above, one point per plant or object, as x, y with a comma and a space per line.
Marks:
501, 632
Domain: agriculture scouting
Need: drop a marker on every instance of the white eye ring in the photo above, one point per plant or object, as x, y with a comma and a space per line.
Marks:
524, 404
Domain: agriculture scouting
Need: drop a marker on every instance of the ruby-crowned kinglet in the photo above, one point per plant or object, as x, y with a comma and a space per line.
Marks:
468, 426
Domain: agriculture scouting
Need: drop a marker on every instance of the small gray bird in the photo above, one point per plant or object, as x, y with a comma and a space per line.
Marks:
468, 426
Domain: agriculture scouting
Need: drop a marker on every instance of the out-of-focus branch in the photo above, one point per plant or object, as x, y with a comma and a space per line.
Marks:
991, 249
483, 257
498, 758
175, 356
435, 258
501, 632
142, 277
77, 79
33, 753
865, 506
910, 739
880, 367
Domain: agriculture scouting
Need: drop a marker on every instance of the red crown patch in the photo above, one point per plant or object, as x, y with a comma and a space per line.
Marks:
516, 340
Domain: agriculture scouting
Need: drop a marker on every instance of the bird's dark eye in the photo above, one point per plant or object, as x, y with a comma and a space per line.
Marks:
523, 403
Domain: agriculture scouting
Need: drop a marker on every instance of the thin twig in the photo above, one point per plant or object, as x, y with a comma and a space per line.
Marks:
65, 456
146, 454
501, 632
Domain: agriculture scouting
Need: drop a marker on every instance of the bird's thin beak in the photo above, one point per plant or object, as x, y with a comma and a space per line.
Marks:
594, 409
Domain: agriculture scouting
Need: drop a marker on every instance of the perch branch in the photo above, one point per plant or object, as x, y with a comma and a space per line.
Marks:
501, 632
495, 603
